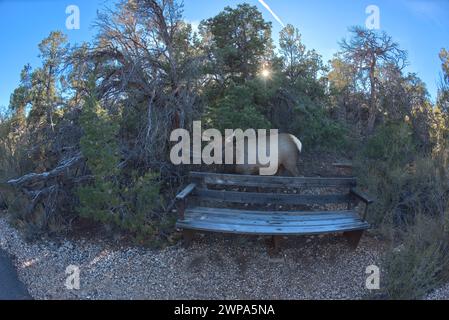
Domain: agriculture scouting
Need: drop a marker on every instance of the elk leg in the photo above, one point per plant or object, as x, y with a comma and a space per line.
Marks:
292, 168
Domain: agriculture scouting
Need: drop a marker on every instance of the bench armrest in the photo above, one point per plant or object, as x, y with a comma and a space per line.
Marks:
364, 198
186, 192
181, 199
361, 196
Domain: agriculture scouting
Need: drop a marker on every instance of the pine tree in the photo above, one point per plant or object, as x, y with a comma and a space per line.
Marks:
99, 200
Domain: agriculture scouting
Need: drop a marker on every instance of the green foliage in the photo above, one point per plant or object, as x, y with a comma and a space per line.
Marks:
300, 64
411, 209
383, 168
392, 143
40, 92
20, 98
405, 183
8, 143
238, 42
420, 263
112, 198
238, 108
292, 90
443, 92
256, 105
99, 146
141, 197
13, 160
318, 131
310, 120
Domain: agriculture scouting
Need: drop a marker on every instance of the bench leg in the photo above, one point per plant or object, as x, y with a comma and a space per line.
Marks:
188, 237
277, 240
275, 245
353, 238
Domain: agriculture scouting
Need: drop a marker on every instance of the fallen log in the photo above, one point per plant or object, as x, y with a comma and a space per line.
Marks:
34, 178
45, 188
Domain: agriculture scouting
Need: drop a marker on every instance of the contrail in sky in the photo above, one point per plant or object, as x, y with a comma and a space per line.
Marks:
262, 2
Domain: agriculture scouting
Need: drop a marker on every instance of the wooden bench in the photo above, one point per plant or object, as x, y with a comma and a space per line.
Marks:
268, 206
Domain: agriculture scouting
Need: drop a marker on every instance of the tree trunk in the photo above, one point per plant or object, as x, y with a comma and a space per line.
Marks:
372, 112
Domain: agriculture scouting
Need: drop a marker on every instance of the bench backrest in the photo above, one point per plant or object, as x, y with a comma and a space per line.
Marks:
340, 189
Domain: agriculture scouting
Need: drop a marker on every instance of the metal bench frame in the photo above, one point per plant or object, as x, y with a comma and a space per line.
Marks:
273, 223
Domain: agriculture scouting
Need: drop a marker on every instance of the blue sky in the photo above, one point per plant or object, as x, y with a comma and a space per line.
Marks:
419, 26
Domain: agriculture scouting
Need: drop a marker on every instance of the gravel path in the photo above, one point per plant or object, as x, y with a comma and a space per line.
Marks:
214, 267
439, 294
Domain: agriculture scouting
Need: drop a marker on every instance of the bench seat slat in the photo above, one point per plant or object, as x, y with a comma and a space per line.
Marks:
238, 221
270, 229
271, 181
199, 212
265, 198
270, 222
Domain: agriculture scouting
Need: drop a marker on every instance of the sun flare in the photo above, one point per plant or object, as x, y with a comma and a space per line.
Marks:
265, 73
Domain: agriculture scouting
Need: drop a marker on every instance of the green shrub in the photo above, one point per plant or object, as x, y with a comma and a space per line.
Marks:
13, 157
255, 105
236, 109
113, 197
392, 143
420, 263
411, 210
318, 131
383, 168
100, 199
14, 162
140, 199
400, 192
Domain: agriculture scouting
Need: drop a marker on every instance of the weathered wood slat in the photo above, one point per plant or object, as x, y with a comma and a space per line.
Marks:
235, 217
268, 222
270, 215
187, 190
270, 181
269, 229
272, 198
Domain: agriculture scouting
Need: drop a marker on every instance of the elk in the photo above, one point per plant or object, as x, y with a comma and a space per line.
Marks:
288, 151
